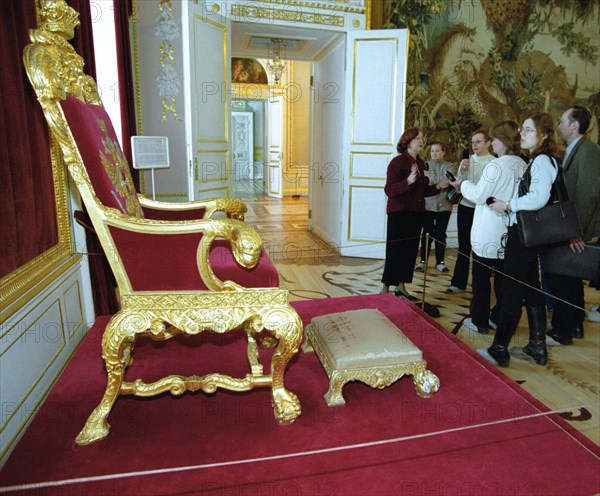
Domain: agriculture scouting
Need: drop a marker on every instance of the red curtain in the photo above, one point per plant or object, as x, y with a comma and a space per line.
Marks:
27, 205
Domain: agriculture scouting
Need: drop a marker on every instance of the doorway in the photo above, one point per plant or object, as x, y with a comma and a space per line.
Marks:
281, 135
248, 145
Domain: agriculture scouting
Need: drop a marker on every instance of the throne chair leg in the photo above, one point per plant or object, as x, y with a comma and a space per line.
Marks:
286, 325
117, 345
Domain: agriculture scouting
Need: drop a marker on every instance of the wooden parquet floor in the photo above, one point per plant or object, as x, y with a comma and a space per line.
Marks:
311, 269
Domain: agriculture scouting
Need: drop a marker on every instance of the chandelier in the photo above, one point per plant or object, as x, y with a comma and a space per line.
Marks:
275, 62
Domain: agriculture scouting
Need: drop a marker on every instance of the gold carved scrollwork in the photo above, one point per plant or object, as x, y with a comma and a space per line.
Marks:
294, 15
235, 208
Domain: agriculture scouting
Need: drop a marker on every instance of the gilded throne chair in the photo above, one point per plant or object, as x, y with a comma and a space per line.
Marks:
179, 269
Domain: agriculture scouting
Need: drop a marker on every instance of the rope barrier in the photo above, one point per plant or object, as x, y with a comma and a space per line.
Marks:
459, 253
504, 274
123, 475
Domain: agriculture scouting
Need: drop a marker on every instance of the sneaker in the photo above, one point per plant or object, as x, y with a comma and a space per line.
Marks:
454, 289
551, 342
553, 339
420, 267
485, 354
442, 267
468, 323
594, 314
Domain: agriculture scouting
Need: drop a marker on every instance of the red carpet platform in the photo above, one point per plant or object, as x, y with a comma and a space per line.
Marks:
481, 434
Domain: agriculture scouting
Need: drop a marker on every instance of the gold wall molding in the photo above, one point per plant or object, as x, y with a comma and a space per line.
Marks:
226, 191
244, 12
360, 240
136, 63
16, 287
171, 195
354, 154
225, 163
335, 6
226, 81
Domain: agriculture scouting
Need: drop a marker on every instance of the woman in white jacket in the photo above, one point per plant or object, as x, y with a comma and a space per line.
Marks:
521, 264
498, 181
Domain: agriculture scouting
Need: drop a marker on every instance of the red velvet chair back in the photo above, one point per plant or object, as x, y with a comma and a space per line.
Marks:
102, 156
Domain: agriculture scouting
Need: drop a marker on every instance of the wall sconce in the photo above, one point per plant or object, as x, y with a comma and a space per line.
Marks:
276, 56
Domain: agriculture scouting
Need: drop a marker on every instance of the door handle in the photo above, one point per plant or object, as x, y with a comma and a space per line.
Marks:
196, 169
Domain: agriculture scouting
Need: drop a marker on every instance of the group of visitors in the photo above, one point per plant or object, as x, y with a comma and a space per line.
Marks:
494, 188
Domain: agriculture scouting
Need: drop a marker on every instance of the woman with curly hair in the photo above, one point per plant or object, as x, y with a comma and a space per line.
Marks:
406, 188
521, 282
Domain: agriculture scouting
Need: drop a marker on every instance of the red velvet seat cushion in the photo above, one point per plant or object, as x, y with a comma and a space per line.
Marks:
168, 263
104, 161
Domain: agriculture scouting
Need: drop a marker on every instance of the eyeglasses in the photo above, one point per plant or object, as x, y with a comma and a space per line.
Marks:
477, 142
526, 130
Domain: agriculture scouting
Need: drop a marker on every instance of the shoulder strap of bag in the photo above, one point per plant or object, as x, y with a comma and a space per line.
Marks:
558, 193
525, 181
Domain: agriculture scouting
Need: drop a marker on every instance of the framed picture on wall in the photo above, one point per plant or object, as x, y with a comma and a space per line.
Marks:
248, 71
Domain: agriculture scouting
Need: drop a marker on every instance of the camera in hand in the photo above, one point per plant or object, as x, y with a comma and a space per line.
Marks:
490, 200
450, 176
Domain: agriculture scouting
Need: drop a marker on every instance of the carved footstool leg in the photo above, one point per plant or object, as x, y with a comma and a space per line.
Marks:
426, 383
334, 396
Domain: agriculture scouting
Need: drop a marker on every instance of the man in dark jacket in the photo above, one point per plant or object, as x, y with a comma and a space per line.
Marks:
581, 167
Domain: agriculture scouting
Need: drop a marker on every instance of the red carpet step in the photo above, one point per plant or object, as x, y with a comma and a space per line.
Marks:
481, 434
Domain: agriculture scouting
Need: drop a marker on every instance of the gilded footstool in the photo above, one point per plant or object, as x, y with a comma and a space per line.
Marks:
364, 345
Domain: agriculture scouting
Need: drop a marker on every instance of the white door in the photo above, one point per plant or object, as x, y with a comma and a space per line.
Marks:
242, 144
327, 122
275, 144
208, 99
373, 122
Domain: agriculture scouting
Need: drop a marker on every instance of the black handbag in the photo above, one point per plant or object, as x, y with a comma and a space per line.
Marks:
563, 261
453, 196
557, 222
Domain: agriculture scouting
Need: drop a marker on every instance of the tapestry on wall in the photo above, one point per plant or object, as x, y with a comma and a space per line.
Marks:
473, 63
